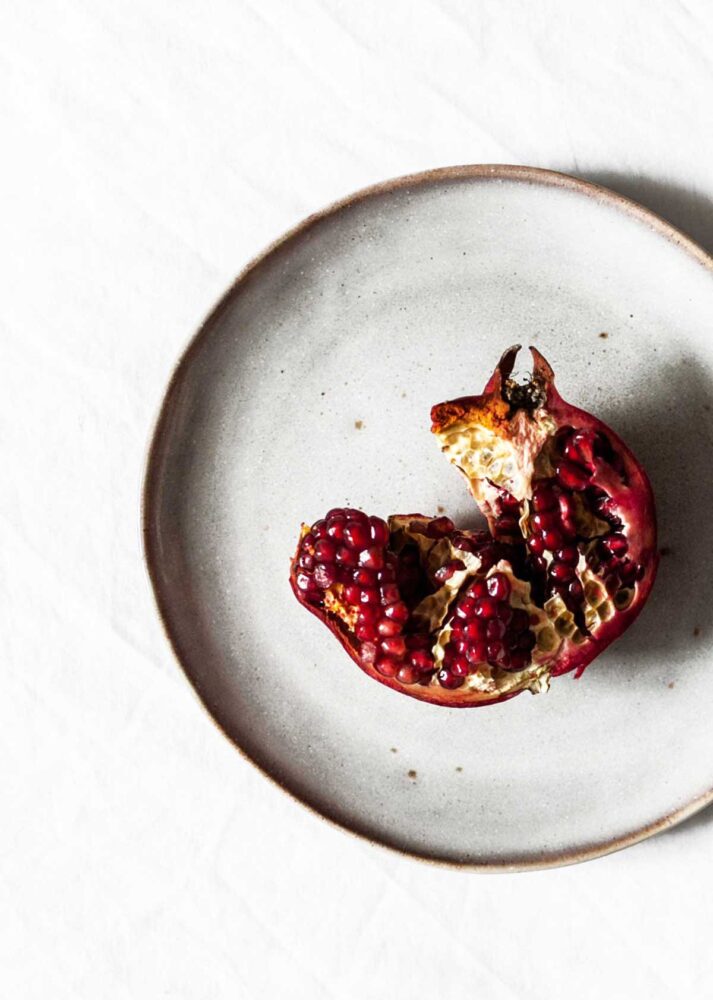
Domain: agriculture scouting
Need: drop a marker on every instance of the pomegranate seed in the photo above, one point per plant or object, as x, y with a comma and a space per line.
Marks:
572, 476
439, 527
394, 646
495, 650
465, 608
536, 544
544, 497
364, 577
356, 535
335, 529
460, 667
576, 590
325, 550
478, 589
367, 653
477, 652
304, 581
476, 628
352, 594
449, 680
325, 575
498, 586
418, 640
495, 629
369, 595
457, 627
366, 631
387, 627
552, 539
421, 660
562, 572
346, 557
390, 594
335, 512
387, 667
368, 613
569, 554
507, 526
487, 608
628, 573
616, 544
546, 519
372, 558
397, 612
306, 561
581, 447
640, 572
459, 644
319, 529
446, 572
408, 675
379, 531
387, 574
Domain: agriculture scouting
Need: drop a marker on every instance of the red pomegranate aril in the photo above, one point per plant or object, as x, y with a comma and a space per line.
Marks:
616, 544
476, 628
553, 539
628, 573
562, 572
572, 476
335, 512
408, 675
536, 544
390, 593
460, 644
387, 574
387, 627
346, 557
379, 531
368, 613
387, 666
304, 581
508, 526
352, 594
319, 529
306, 561
487, 607
495, 650
477, 589
576, 590
352, 514
439, 527
518, 660
498, 586
544, 497
458, 627
495, 629
460, 667
356, 535
569, 554
397, 612
465, 608
421, 660
369, 595
325, 574
444, 573
325, 550
366, 631
368, 652
527, 641
372, 558
545, 520
448, 679
477, 652
394, 646
419, 640
364, 577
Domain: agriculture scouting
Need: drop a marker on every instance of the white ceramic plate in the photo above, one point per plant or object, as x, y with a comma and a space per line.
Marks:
310, 386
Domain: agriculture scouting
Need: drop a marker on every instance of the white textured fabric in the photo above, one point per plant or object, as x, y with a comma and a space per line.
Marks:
149, 150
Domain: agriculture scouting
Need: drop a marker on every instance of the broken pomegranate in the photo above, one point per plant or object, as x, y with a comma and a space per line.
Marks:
467, 618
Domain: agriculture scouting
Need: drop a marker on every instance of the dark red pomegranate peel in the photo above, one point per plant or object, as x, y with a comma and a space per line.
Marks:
470, 618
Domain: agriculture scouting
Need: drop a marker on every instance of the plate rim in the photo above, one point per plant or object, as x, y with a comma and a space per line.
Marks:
151, 482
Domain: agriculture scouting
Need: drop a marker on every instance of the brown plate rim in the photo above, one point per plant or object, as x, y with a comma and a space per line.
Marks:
149, 493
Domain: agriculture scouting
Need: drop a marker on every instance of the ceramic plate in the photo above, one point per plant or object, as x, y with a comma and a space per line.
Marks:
309, 386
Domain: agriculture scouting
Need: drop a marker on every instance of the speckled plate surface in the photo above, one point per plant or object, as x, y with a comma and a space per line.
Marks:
310, 386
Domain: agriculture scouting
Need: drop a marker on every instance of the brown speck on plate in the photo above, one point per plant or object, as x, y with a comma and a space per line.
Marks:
412, 775
696, 632
440, 508
459, 769
672, 684
394, 750
358, 424
603, 335
665, 550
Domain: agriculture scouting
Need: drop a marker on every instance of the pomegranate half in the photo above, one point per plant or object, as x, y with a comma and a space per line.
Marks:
466, 618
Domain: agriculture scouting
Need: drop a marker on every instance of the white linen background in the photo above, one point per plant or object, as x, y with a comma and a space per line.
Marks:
149, 149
